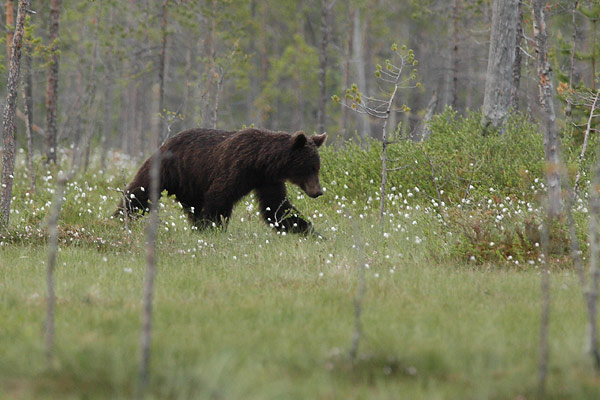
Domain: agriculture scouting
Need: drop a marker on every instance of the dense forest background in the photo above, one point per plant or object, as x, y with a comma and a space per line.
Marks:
129, 68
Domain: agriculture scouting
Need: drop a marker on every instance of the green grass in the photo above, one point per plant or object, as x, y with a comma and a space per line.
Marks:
277, 321
250, 314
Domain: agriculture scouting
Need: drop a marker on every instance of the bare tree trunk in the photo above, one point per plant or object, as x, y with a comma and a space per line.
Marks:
545, 310
28, 110
107, 120
591, 292
10, 23
347, 57
454, 98
264, 59
592, 35
161, 73
359, 298
151, 235
384, 143
185, 107
51, 264
321, 106
431, 106
514, 99
91, 93
568, 108
551, 139
357, 48
551, 149
499, 82
52, 84
213, 67
586, 136
8, 120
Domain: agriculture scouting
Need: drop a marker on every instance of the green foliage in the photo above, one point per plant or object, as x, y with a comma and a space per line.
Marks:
456, 163
292, 85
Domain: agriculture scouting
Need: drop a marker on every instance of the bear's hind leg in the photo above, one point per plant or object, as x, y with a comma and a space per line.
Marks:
216, 213
194, 215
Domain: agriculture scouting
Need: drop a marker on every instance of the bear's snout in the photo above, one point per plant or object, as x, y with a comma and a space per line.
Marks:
315, 194
312, 187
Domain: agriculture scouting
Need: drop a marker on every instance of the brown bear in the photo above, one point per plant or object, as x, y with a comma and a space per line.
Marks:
209, 171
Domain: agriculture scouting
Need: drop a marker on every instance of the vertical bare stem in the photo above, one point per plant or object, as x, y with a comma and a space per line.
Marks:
8, 118
384, 141
28, 111
454, 100
545, 311
358, 300
592, 289
151, 234
586, 135
51, 264
572, 60
161, 71
52, 83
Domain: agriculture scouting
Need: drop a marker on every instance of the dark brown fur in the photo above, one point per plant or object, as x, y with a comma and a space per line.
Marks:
210, 170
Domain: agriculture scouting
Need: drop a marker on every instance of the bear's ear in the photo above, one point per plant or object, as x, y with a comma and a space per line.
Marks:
319, 139
299, 140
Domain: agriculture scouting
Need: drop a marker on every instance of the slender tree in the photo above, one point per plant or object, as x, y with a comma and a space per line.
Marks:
347, 59
499, 81
394, 75
151, 235
359, 63
9, 116
52, 83
161, 71
455, 9
546, 99
516, 71
10, 23
27, 94
326, 6
569, 107
551, 150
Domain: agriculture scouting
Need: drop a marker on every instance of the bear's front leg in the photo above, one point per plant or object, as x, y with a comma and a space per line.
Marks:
278, 212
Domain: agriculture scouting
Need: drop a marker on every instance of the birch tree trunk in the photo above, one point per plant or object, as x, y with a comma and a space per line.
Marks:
546, 99
161, 73
10, 109
10, 23
454, 90
52, 83
514, 99
213, 106
364, 130
321, 115
28, 111
107, 117
499, 82
551, 150
569, 107
347, 57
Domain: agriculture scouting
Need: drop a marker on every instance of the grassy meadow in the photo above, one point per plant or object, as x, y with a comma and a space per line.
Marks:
451, 310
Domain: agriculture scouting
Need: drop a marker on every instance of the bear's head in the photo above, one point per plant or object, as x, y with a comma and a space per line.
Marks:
304, 162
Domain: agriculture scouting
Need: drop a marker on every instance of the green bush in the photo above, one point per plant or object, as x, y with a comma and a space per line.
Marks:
456, 162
